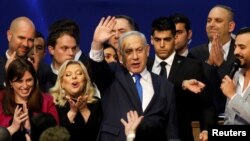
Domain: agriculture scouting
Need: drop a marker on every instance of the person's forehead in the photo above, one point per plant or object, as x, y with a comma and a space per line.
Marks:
162, 34
180, 25
133, 41
73, 66
66, 39
109, 49
39, 40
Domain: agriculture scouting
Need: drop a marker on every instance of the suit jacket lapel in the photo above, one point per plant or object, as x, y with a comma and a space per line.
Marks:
156, 86
230, 56
206, 50
247, 93
128, 84
150, 63
175, 67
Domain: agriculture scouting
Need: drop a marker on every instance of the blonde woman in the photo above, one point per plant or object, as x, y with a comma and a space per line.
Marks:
79, 111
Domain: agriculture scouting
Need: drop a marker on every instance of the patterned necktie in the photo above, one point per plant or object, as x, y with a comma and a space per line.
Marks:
138, 85
163, 71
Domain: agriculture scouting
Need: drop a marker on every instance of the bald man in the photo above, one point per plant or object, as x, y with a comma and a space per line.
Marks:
20, 36
21, 39
218, 51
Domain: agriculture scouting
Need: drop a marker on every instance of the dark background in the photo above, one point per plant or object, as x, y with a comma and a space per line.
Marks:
87, 14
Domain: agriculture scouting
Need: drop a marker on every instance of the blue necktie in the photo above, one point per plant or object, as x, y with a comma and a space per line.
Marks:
138, 85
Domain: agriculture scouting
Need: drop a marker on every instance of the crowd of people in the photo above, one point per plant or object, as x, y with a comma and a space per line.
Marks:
118, 92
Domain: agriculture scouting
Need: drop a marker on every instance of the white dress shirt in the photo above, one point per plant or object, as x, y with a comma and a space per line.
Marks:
156, 66
225, 48
147, 88
239, 81
146, 80
78, 54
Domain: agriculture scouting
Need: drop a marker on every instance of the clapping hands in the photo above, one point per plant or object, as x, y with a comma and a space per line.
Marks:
20, 119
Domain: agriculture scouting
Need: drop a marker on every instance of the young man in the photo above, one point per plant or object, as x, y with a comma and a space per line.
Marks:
178, 70
183, 34
62, 43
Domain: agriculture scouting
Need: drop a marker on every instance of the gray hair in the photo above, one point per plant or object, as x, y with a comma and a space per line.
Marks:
127, 34
228, 9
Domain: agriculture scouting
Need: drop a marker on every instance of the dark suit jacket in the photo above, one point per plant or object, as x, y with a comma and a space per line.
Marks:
80, 129
190, 106
119, 95
201, 53
2, 72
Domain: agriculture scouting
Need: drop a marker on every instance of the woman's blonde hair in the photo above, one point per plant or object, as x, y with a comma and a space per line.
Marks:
59, 93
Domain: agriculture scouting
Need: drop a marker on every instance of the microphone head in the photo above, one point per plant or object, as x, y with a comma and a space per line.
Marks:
237, 63
234, 68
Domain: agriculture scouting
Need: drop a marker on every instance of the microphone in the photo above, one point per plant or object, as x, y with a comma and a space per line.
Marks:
234, 68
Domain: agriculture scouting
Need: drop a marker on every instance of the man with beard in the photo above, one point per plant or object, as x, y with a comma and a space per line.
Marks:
237, 90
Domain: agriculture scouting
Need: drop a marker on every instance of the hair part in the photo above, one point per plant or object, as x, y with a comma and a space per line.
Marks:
15, 72
228, 9
127, 34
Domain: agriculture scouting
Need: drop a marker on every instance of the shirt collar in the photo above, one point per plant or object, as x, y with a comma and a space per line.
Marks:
7, 55
144, 74
225, 48
168, 60
185, 53
78, 54
53, 69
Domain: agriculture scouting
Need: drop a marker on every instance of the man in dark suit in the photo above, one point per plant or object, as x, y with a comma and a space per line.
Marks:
218, 51
63, 39
179, 69
20, 36
120, 95
182, 39
63, 43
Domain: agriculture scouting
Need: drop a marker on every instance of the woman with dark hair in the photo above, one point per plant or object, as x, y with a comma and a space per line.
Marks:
110, 53
22, 99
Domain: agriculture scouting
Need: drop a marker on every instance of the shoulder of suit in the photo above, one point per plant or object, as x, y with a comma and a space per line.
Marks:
199, 47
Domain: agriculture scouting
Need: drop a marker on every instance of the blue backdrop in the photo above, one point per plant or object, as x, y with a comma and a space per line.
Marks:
87, 14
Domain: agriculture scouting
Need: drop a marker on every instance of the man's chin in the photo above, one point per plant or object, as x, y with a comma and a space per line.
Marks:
21, 55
